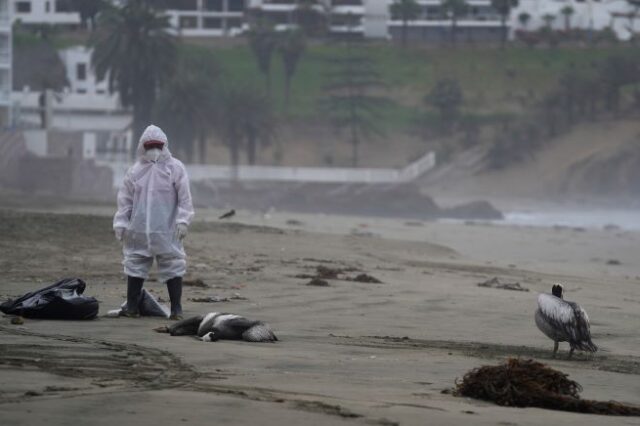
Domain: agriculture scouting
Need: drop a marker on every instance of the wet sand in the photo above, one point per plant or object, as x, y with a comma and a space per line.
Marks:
349, 353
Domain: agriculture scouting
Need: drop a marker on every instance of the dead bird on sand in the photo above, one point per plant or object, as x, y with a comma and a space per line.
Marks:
563, 321
216, 326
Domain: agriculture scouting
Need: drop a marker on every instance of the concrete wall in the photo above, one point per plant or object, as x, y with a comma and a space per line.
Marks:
12, 149
199, 172
66, 176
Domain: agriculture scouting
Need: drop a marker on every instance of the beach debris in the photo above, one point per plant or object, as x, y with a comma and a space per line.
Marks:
32, 393
217, 299
228, 214
324, 273
318, 282
614, 262
495, 283
364, 278
611, 227
413, 223
294, 222
17, 320
528, 383
195, 283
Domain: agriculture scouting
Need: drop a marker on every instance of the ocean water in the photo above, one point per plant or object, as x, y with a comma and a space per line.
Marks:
590, 219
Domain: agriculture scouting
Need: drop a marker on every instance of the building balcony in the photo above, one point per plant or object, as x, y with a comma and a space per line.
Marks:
469, 2
348, 10
461, 23
347, 29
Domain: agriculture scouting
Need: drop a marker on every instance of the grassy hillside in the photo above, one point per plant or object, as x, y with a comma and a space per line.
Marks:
494, 82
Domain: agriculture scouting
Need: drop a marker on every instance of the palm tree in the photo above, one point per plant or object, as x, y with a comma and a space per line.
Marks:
259, 123
503, 7
88, 10
134, 50
524, 19
186, 105
262, 41
633, 14
291, 47
405, 11
447, 97
311, 21
245, 121
548, 19
567, 12
454, 9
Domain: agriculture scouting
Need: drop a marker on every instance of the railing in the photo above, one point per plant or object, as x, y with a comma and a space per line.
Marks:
202, 172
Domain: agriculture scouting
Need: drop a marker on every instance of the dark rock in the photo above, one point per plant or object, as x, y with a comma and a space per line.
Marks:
473, 210
317, 282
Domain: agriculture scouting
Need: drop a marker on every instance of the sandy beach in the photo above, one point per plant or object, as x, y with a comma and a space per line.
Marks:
350, 353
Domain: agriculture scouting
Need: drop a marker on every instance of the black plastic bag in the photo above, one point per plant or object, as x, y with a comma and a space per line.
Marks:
62, 300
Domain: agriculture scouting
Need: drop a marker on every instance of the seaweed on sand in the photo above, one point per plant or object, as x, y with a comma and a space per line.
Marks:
528, 383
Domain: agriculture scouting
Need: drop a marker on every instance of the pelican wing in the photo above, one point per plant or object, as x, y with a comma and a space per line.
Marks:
568, 318
260, 332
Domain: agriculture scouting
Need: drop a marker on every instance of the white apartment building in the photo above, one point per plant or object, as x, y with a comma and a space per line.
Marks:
53, 12
588, 14
208, 18
480, 23
6, 57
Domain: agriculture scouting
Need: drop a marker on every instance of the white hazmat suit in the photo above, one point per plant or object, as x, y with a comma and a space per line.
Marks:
154, 209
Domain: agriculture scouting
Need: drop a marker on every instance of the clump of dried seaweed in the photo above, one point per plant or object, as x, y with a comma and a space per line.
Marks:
528, 383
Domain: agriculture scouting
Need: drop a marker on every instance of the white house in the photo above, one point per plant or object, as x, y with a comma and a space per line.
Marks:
84, 106
53, 12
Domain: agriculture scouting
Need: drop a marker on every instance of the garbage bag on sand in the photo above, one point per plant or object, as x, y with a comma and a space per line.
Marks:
62, 300
148, 306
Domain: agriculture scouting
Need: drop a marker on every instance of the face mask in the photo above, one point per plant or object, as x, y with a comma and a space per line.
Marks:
153, 154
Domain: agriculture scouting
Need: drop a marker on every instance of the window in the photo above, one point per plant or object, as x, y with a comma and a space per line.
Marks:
23, 7
47, 6
81, 71
64, 6
182, 4
215, 5
188, 22
100, 91
234, 23
81, 91
212, 23
235, 5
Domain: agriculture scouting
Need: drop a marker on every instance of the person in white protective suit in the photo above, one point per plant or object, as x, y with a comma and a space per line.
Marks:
154, 213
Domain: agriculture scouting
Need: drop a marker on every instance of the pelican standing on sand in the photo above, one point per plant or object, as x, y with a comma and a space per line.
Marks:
563, 321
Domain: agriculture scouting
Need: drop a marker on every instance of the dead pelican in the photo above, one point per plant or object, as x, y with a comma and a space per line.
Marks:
216, 326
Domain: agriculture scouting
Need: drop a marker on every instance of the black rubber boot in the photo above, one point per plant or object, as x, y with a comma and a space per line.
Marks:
174, 286
134, 290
